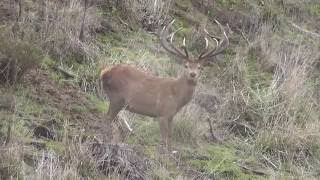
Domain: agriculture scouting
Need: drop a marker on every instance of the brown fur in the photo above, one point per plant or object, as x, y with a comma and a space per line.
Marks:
132, 89
139, 92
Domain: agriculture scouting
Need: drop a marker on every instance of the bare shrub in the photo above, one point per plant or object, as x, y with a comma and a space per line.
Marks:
231, 115
121, 161
16, 58
74, 160
63, 28
151, 14
287, 106
10, 162
280, 118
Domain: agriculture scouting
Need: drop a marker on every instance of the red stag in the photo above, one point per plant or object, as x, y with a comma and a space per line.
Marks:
131, 89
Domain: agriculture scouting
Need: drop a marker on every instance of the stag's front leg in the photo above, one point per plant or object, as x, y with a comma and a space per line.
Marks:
163, 123
114, 109
170, 135
165, 129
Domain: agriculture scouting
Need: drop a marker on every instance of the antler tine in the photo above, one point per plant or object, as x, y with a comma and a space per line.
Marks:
169, 46
212, 36
184, 47
221, 44
163, 41
207, 42
216, 39
205, 49
172, 34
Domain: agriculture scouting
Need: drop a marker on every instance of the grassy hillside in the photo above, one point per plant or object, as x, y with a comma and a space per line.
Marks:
255, 113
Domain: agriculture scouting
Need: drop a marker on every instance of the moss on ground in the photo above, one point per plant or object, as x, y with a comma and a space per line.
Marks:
97, 104
211, 160
221, 161
315, 10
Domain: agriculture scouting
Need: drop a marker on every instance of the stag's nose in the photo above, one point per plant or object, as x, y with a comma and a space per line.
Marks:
192, 74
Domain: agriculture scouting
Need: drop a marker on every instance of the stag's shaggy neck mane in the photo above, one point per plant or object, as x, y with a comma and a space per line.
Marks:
187, 80
184, 89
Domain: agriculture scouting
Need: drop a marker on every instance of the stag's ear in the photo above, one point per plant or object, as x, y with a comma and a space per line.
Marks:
181, 61
200, 66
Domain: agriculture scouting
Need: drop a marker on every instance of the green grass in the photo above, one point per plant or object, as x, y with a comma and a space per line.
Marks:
30, 113
47, 63
315, 10
141, 48
220, 161
258, 78
58, 147
214, 160
147, 130
185, 132
97, 104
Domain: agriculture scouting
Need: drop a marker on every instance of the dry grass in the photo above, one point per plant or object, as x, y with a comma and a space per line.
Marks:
261, 99
287, 109
280, 117
151, 14
16, 58
73, 160
187, 125
56, 27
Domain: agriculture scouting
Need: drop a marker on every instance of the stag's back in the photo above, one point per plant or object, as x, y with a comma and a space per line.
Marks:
122, 78
141, 92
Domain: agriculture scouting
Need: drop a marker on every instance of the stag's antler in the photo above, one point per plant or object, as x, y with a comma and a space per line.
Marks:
169, 45
221, 45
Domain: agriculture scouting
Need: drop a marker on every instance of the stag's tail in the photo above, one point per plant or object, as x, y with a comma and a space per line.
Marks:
103, 72
104, 77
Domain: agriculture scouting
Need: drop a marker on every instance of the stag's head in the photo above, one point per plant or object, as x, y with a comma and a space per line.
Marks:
193, 65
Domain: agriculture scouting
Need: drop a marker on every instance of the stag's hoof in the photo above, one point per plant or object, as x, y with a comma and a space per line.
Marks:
174, 152
164, 150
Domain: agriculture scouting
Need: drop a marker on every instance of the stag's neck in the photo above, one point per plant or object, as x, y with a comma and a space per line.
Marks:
185, 88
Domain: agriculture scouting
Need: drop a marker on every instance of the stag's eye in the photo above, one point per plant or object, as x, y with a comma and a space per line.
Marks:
186, 65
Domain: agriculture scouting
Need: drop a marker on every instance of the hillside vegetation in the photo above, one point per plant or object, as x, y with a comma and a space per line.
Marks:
255, 113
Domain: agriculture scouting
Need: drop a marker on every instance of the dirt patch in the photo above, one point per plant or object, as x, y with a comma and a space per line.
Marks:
68, 99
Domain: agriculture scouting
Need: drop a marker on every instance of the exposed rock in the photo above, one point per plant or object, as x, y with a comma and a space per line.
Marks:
43, 132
